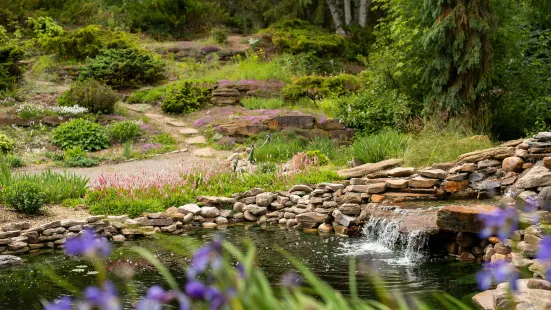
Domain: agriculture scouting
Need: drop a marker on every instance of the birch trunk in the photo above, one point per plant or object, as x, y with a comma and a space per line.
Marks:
337, 20
347, 12
363, 12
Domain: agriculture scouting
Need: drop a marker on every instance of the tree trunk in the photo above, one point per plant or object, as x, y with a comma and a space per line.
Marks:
363, 12
347, 12
337, 19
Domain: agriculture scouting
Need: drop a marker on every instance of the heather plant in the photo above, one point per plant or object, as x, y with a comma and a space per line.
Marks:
81, 133
24, 196
124, 131
93, 95
126, 67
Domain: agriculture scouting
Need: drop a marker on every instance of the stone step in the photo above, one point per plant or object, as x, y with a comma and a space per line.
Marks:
176, 123
196, 140
189, 131
205, 152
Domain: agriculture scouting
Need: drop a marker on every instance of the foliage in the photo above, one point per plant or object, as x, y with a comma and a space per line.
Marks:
6, 144
220, 35
77, 157
81, 133
24, 196
125, 206
87, 42
164, 138
262, 103
185, 99
386, 144
10, 70
318, 157
123, 68
319, 87
459, 44
56, 186
153, 95
297, 36
45, 27
92, 95
124, 131
443, 144
13, 161
309, 63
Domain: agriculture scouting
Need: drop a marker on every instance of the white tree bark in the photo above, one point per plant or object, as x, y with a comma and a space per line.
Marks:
347, 12
337, 19
363, 12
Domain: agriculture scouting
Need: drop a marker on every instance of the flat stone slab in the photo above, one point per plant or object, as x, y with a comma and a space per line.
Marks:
154, 115
176, 123
205, 152
140, 107
366, 169
189, 131
196, 140
462, 218
484, 300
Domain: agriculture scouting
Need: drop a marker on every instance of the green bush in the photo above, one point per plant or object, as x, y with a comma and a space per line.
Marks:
125, 206
81, 133
87, 42
320, 158
77, 157
386, 144
13, 161
147, 96
6, 144
124, 131
92, 95
185, 99
24, 196
45, 26
220, 35
319, 87
164, 139
297, 36
10, 70
123, 68
56, 186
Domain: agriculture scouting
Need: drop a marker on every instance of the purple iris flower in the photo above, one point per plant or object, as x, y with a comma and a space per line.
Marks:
104, 298
215, 297
195, 289
63, 303
291, 279
241, 269
502, 221
499, 271
545, 248
88, 244
209, 253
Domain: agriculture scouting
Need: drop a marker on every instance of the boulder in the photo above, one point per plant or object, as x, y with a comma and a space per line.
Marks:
326, 228
462, 218
458, 177
210, 212
543, 136
9, 260
257, 210
544, 196
366, 169
342, 219
484, 300
547, 162
512, 164
493, 153
265, 199
310, 219
247, 130
16, 226
455, 186
434, 173
331, 124
291, 121
190, 208
249, 216
350, 209
538, 176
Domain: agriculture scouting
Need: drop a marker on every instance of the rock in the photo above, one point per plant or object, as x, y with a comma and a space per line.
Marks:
209, 225
455, 186
249, 216
366, 169
248, 130
16, 226
484, 300
512, 164
527, 250
400, 172
257, 210
458, 177
111, 218
190, 208
422, 182
376, 188
526, 197
350, 209
310, 219
350, 197
465, 240
282, 221
331, 124
155, 222
397, 183
500, 248
519, 261
119, 238
265, 199
545, 196
461, 218
477, 177
326, 228
189, 131
91, 219
9, 260
217, 201
466, 256
157, 215
342, 219
301, 188
538, 176
204, 152
547, 162
291, 121
487, 163
210, 212
521, 153
434, 173
188, 218
543, 136
377, 198
492, 153
467, 167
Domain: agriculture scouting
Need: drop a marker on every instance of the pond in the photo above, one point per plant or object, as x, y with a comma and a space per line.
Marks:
23, 287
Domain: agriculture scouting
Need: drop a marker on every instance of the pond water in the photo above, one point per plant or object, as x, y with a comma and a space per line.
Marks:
23, 287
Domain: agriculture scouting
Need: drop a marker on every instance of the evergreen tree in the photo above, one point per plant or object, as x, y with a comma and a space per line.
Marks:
458, 41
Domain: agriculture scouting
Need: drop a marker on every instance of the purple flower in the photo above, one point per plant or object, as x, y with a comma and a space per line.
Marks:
88, 244
291, 279
63, 303
156, 296
499, 271
209, 253
215, 297
195, 289
545, 249
241, 269
104, 298
503, 222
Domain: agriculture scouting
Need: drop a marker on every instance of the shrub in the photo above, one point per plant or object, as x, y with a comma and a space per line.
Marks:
81, 133
220, 35
87, 42
124, 131
24, 196
319, 87
165, 139
318, 157
56, 186
10, 70
77, 157
185, 99
13, 161
262, 103
126, 206
92, 95
45, 26
6, 144
147, 95
386, 144
123, 68
297, 36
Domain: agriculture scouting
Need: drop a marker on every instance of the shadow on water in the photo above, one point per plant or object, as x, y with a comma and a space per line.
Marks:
24, 286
